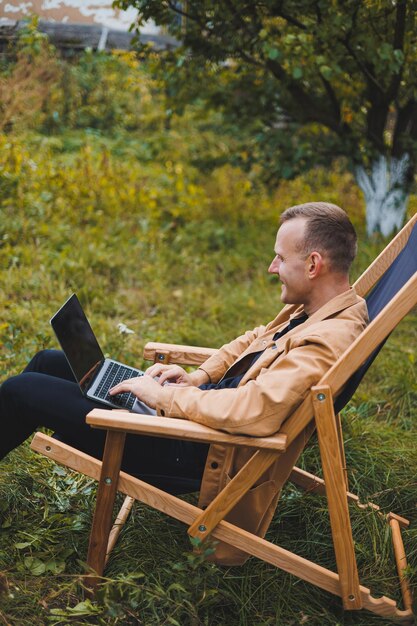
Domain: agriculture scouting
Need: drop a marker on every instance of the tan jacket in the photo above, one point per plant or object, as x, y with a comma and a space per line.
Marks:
269, 392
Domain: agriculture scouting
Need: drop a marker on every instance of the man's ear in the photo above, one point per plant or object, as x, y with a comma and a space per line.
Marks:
315, 263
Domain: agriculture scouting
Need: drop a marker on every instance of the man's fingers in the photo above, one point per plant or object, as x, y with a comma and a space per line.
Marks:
144, 387
165, 376
164, 373
160, 374
117, 389
156, 369
125, 385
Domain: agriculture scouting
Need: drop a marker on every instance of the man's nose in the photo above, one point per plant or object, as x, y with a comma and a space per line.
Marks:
274, 267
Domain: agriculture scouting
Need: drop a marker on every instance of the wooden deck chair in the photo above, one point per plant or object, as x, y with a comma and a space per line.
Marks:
392, 281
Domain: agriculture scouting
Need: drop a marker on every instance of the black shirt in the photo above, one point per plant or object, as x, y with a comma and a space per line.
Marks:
233, 381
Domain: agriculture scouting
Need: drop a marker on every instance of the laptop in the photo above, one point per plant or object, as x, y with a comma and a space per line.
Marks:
95, 374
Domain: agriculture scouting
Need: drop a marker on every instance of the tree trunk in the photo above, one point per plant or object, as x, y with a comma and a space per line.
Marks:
386, 195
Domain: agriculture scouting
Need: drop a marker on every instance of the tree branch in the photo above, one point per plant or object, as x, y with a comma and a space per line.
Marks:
175, 8
292, 20
405, 127
398, 44
194, 17
364, 68
312, 110
332, 97
318, 12
239, 20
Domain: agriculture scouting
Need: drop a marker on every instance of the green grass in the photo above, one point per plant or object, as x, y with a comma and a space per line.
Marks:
183, 255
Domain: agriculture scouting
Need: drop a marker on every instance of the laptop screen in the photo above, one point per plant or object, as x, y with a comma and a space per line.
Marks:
78, 341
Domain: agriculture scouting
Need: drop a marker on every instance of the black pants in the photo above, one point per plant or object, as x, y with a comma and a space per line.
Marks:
46, 394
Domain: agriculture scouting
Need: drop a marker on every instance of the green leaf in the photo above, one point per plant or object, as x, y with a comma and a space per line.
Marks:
59, 471
56, 567
195, 541
297, 73
80, 609
399, 56
274, 54
176, 587
34, 565
83, 606
25, 544
326, 72
287, 171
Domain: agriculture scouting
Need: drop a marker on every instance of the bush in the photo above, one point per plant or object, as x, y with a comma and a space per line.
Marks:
105, 92
26, 81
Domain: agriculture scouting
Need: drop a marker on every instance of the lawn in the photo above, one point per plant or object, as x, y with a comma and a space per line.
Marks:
176, 252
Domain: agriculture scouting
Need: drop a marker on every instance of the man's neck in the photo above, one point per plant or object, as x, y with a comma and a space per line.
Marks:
322, 296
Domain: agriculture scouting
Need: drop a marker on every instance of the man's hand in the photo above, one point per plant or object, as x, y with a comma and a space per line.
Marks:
148, 388
173, 374
145, 388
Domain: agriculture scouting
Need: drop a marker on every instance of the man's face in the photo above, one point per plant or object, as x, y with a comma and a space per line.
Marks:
289, 264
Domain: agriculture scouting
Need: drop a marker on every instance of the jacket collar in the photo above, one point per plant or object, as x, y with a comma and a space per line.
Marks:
335, 305
339, 303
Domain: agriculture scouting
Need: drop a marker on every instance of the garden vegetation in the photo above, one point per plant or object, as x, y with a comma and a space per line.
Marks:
146, 215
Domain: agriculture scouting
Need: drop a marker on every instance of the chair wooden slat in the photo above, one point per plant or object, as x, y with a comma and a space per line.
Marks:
173, 428
174, 353
336, 496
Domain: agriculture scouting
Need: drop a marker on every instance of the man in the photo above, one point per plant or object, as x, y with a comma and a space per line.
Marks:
250, 386
314, 249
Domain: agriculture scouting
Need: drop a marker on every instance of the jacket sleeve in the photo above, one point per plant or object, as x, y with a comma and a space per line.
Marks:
218, 364
260, 406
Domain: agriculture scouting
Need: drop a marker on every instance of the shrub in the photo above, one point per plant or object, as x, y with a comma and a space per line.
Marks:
26, 81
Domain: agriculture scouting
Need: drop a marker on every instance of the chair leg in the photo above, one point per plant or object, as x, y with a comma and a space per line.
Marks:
106, 494
342, 448
336, 496
119, 522
401, 561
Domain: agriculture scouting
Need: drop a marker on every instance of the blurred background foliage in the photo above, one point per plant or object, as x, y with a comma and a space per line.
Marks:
308, 82
159, 221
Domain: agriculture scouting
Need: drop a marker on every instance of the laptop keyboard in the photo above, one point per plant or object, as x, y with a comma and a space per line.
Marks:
113, 375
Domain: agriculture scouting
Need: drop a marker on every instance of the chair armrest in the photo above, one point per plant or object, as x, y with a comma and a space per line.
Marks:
173, 353
172, 428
